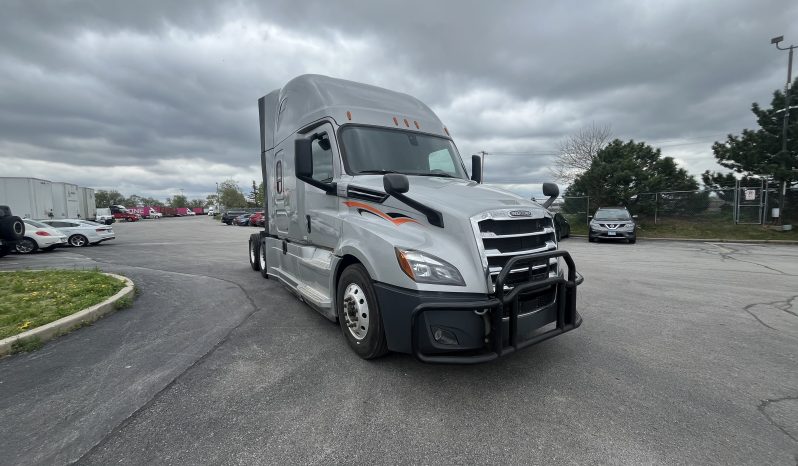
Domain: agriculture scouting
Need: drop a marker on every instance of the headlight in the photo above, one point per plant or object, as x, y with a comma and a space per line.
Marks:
426, 268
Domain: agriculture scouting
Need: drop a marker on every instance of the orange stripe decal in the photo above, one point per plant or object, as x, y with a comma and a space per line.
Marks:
379, 213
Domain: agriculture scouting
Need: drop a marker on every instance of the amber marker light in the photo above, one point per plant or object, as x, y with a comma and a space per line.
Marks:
404, 264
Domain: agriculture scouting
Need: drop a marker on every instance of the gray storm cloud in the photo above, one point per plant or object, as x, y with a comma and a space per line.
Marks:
152, 97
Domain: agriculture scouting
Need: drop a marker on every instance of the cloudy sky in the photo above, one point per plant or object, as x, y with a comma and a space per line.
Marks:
151, 97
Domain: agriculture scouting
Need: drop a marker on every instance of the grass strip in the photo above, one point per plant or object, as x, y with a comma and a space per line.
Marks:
29, 299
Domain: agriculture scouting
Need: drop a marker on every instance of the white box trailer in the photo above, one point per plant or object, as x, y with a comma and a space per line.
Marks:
87, 203
65, 200
27, 197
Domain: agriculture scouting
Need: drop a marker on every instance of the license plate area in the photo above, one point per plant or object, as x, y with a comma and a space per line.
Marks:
611, 233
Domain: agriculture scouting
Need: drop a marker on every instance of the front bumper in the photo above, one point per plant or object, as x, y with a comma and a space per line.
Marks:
483, 327
613, 234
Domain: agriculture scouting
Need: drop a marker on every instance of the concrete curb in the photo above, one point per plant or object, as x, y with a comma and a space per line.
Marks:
713, 240
65, 324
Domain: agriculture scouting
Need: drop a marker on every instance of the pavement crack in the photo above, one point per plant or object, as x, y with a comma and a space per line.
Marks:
726, 253
783, 305
762, 407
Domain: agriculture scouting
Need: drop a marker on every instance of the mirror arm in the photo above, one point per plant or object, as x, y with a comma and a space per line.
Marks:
329, 188
433, 216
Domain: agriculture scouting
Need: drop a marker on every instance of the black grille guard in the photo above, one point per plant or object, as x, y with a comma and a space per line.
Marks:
567, 317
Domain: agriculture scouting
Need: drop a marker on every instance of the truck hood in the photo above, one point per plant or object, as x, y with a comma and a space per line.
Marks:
453, 197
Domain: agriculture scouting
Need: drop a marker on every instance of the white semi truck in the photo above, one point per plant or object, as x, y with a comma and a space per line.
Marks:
373, 221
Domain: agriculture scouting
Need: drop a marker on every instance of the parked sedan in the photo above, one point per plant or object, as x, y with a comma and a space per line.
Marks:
82, 232
561, 226
257, 219
242, 220
231, 215
39, 236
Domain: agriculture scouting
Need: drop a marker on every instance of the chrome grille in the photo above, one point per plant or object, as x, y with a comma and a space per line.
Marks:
503, 237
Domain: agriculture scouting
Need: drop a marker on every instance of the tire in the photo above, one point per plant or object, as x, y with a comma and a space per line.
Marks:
633, 241
12, 228
264, 270
4, 250
591, 239
26, 246
359, 313
78, 241
254, 252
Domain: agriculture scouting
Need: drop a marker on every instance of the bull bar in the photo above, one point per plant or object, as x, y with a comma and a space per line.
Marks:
567, 317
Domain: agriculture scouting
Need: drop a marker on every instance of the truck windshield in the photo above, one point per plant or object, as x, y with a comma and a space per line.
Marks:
377, 150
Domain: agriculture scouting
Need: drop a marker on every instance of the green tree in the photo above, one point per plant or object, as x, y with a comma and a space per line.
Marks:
178, 200
259, 196
196, 203
230, 194
622, 170
105, 198
758, 152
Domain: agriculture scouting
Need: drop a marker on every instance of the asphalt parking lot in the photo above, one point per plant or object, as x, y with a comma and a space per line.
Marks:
688, 354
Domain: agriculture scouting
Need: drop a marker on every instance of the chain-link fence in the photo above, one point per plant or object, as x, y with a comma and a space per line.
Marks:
727, 206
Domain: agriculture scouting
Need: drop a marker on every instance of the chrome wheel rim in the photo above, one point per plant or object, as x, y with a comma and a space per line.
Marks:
77, 241
251, 252
25, 246
356, 311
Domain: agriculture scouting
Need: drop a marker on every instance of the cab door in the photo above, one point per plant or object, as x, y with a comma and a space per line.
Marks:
318, 210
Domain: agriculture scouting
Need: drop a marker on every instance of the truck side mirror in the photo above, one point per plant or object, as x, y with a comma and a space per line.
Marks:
395, 183
590, 217
303, 158
635, 217
476, 168
552, 191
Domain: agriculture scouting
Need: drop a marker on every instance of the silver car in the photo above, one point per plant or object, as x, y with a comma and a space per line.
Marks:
82, 232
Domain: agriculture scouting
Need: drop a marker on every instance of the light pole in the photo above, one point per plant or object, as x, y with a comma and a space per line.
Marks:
785, 128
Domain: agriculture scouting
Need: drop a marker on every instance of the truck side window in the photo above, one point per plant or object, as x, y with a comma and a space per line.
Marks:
441, 160
322, 159
278, 176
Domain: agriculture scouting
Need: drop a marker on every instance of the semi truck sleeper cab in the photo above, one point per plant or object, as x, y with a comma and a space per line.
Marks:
373, 221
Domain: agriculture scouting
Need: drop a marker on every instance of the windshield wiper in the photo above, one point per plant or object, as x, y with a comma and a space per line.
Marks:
375, 172
444, 175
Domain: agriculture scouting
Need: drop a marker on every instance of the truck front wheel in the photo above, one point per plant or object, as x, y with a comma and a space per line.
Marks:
359, 313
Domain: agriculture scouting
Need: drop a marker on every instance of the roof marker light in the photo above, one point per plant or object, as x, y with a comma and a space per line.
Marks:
447, 131
349, 116
416, 123
395, 121
406, 123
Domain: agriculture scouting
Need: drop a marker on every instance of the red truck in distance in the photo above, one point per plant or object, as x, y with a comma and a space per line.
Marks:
121, 213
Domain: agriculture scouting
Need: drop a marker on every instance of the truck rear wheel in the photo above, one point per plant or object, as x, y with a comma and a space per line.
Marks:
359, 313
254, 252
264, 271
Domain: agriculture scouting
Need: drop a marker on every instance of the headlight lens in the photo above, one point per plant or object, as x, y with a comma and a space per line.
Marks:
426, 268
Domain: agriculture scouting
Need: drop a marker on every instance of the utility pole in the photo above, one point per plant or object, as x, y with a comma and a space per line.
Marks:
784, 148
482, 162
